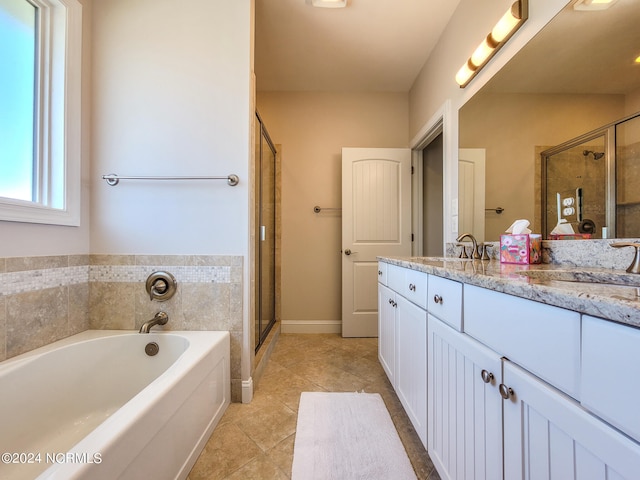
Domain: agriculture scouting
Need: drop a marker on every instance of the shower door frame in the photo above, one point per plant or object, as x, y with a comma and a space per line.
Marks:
262, 331
608, 132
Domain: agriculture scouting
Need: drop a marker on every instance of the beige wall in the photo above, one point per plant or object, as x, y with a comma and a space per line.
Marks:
471, 22
510, 126
312, 128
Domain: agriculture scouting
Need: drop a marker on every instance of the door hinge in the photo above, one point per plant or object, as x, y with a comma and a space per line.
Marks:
412, 170
412, 237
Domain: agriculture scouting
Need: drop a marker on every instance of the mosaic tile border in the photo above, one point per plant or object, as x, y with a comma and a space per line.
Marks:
12, 283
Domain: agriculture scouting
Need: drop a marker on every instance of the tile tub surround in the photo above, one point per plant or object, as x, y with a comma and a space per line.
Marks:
612, 302
44, 299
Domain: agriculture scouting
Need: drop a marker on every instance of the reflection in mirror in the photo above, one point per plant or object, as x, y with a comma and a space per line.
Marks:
574, 189
547, 95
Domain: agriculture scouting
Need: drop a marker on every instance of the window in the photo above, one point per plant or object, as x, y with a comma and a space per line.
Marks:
40, 45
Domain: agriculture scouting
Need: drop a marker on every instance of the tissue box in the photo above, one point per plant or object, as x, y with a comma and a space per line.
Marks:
522, 248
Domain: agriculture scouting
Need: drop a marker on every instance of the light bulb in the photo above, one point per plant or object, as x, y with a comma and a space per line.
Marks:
504, 26
464, 74
481, 53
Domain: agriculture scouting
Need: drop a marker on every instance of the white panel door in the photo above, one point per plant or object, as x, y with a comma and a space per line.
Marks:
411, 363
376, 221
464, 406
471, 186
548, 435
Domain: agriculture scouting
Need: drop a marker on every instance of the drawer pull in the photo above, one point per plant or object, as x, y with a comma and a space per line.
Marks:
505, 392
438, 299
487, 377
394, 304
391, 301
379, 272
412, 287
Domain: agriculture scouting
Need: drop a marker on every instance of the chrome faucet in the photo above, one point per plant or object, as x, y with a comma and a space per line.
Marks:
160, 318
475, 252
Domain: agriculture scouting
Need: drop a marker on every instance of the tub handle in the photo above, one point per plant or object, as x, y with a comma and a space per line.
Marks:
161, 286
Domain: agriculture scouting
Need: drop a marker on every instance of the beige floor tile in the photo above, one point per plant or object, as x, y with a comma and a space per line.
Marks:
269, 426
256, 441
228, 449
261, 468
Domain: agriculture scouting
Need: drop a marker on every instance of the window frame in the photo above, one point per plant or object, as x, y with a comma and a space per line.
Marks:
57, 118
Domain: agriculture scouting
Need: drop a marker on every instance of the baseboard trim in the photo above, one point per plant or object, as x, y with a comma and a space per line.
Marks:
311, 326
247, 390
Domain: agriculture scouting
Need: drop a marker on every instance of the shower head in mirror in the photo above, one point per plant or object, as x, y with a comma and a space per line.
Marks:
596, 155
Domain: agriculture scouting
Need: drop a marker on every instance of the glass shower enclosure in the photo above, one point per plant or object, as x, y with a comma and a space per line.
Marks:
592, 182
265, 248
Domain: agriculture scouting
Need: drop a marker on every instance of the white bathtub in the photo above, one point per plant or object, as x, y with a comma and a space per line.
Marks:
96, 406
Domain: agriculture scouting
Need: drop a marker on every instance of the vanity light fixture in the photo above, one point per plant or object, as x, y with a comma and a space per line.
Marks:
589, 5
329, 3
511, 21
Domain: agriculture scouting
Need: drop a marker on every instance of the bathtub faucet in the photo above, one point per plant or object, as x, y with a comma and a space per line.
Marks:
160, 318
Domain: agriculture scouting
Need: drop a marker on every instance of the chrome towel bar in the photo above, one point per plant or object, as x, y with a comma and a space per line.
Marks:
113, 179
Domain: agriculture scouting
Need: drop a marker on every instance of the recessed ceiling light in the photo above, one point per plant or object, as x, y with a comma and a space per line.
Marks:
329, 3
590, 5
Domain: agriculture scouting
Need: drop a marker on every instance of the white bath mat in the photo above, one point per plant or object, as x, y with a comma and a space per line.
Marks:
345, 436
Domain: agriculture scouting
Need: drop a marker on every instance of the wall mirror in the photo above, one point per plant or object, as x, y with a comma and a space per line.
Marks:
575, 78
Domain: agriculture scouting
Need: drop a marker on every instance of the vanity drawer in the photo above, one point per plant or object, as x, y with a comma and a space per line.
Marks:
411, 284
540, 338
382, 272
611, 373
444, 300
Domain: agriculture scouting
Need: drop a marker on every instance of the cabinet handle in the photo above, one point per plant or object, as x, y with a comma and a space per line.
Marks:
379, 272
505, 392
438, 299
394, 304
487, 377
391, 301
412, 287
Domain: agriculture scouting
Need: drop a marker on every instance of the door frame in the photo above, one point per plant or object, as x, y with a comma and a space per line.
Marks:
445, 122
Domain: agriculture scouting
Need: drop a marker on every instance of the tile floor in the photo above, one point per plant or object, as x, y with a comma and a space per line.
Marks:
255, 441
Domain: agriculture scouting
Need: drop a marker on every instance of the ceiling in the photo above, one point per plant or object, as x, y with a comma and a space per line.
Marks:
369, 46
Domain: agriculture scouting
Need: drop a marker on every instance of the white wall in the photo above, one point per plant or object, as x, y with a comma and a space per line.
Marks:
30, 239
171, 97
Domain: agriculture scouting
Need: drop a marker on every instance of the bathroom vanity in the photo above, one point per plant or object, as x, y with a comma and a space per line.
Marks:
515, 371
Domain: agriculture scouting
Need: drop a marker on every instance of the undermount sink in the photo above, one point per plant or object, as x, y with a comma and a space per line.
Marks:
445, 259
584, 276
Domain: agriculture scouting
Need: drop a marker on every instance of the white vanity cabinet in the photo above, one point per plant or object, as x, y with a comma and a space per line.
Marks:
387, 331
402, 342
464, 407
548, 435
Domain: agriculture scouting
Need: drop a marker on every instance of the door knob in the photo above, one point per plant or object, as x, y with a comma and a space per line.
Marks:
348, 252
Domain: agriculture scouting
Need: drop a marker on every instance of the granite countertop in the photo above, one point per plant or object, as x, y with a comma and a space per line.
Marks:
601, 292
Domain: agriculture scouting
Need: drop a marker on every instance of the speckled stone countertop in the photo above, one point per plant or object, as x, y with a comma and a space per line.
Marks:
605, 293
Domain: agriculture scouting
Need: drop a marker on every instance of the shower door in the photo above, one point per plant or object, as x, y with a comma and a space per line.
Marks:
266, 234
628, 178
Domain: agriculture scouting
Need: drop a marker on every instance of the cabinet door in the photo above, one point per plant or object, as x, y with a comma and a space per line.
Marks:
547, 435
411, 366
387, 331
465, 408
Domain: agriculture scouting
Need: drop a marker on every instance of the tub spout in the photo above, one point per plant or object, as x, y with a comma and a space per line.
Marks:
160, 318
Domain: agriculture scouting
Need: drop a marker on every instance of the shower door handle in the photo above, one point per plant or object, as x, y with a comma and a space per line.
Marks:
263, 233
